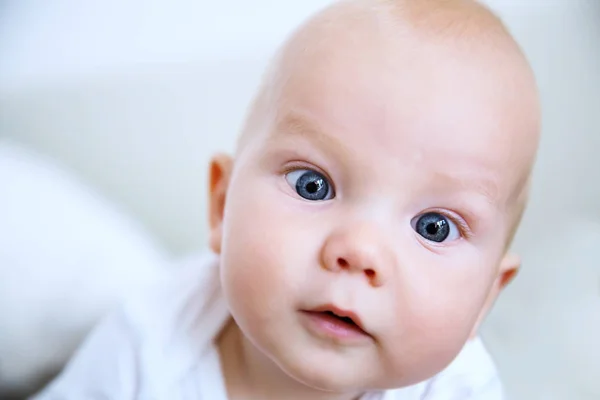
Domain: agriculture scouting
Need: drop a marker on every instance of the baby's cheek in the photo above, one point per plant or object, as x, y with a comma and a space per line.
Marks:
256, 255
430, 331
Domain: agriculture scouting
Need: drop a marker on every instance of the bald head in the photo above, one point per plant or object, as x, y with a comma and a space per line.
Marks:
404, 53
401, 29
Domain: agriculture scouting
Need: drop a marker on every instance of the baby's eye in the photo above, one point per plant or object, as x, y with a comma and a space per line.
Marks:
310, 184
435, 227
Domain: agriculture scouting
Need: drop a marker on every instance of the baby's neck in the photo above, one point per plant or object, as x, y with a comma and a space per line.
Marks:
250, 375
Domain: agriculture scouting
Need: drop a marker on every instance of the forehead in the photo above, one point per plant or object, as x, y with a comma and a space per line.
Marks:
421, 108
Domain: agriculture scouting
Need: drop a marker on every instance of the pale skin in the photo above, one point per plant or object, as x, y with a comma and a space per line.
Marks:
400, 113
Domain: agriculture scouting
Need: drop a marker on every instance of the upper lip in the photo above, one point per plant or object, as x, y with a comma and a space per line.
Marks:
340, 313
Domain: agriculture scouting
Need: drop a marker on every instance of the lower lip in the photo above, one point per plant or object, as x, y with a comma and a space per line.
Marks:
331, 327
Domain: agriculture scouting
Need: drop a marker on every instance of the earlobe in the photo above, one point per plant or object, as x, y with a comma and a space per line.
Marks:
218, 181
509, 267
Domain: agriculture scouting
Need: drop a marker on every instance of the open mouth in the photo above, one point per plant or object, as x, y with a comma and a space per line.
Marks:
346, 320
336, 322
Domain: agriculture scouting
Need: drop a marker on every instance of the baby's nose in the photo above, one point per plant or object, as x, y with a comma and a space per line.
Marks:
358, 249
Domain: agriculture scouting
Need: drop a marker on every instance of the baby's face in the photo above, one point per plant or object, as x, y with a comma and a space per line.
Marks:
382, 191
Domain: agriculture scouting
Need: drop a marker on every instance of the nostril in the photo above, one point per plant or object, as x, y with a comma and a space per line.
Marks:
342, 263
370, 273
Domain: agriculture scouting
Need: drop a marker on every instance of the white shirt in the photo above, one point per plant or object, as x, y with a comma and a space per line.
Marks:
161, 347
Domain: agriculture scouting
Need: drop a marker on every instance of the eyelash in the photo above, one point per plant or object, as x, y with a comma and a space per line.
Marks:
296, 165
461, 224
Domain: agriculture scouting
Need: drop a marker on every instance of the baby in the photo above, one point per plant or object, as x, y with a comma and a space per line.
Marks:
360, 234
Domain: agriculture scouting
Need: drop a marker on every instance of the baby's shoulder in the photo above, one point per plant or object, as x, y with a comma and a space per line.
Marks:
188, 289
150, 346
175, 322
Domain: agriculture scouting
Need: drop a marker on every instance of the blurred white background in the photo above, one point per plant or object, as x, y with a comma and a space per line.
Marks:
133, 97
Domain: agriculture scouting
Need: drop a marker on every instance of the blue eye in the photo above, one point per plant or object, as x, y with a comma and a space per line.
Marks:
310, 185
435, 227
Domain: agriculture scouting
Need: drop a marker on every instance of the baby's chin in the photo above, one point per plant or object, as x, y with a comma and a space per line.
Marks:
322, 371
327, 377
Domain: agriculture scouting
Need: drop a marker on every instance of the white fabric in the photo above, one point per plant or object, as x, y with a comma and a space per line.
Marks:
161, 347
67, 256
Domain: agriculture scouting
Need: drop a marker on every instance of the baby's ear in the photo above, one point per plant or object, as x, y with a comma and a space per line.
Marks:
218, 182
509, 266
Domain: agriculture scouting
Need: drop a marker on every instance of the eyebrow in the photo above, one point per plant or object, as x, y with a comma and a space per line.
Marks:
294, 123
485, 187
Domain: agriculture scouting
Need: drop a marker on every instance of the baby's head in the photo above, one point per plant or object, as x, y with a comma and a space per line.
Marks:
380, 176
